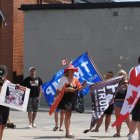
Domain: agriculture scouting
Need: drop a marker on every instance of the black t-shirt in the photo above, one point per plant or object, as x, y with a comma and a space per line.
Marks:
33, 84
121, 93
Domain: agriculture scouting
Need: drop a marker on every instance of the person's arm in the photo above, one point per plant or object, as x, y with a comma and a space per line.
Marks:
81, 86
40, 93
57, 93
40, 89
62, 82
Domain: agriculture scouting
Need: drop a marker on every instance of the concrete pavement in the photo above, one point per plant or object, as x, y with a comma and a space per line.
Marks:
45, 124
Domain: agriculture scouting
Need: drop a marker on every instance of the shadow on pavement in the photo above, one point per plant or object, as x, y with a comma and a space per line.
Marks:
50, 137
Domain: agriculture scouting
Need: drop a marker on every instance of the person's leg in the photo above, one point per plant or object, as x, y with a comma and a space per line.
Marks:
33, 119
128, 123
3, 120
35, 103
99, 122
107, 121
139, 130
61, 119
118, 128
133, 127
56, 121
30, 116
1, 131
30, 112
67, 122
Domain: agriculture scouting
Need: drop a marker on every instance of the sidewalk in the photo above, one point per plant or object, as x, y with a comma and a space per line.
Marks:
45, 124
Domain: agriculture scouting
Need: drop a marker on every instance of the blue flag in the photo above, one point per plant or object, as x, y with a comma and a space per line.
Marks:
87, 71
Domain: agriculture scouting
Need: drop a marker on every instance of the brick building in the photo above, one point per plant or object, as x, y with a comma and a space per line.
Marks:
11, 36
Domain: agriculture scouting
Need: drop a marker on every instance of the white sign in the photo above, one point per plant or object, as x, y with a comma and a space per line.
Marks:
14, 96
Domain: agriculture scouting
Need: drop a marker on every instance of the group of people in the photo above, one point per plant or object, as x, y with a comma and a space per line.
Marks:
34, 83
72, 86
133, 123
67, 100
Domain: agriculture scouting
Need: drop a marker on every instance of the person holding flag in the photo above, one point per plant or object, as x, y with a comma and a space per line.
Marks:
119, 100
108, 112
70, 86
131, 102
135, 122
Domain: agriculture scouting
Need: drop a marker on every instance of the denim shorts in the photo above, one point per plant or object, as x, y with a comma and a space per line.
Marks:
33, 104
118, 104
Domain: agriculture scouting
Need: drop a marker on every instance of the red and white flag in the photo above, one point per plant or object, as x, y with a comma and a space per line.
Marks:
132, 95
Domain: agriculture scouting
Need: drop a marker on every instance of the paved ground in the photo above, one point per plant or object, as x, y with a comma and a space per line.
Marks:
45, 124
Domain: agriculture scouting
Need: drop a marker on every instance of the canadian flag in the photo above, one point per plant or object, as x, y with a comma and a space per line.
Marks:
132, 95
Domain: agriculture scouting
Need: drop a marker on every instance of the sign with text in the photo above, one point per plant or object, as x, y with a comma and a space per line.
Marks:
102, 95
14, 96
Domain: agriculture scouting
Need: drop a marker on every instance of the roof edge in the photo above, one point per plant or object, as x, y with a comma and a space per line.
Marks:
27, 7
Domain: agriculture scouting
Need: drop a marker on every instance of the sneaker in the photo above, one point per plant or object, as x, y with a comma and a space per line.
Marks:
131, 137
55, 128
30, 126
116, 135
34, 125
60, 129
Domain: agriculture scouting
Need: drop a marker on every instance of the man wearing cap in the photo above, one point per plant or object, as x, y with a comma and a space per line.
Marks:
34, 84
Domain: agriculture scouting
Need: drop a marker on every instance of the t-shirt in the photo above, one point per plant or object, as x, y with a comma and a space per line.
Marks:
33, 84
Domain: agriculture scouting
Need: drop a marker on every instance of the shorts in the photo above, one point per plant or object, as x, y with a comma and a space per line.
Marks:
136, 112
4, 114
109, 110
118, 104
33, 104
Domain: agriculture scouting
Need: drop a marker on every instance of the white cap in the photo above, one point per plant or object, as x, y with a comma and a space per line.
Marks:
32, 68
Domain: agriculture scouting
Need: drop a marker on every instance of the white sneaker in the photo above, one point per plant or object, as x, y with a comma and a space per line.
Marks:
131, 137
34, 125
30, 126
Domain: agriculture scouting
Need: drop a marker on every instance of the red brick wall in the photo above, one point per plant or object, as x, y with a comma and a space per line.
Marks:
18, 38
11, 38
6, 43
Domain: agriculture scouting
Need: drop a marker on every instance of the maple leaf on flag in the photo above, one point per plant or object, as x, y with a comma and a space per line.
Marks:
135, 77
132, 98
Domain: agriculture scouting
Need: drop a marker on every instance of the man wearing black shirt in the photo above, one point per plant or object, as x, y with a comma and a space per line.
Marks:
34, 84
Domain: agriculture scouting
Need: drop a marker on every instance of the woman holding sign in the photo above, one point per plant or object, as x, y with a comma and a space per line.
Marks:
71, 85
4, 111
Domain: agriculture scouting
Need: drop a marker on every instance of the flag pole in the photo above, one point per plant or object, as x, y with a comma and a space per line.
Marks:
95, 66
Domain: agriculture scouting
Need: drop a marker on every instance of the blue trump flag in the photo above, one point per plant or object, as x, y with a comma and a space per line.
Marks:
87, 71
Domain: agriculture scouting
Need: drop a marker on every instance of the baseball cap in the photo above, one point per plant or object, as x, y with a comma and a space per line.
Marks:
32, 68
